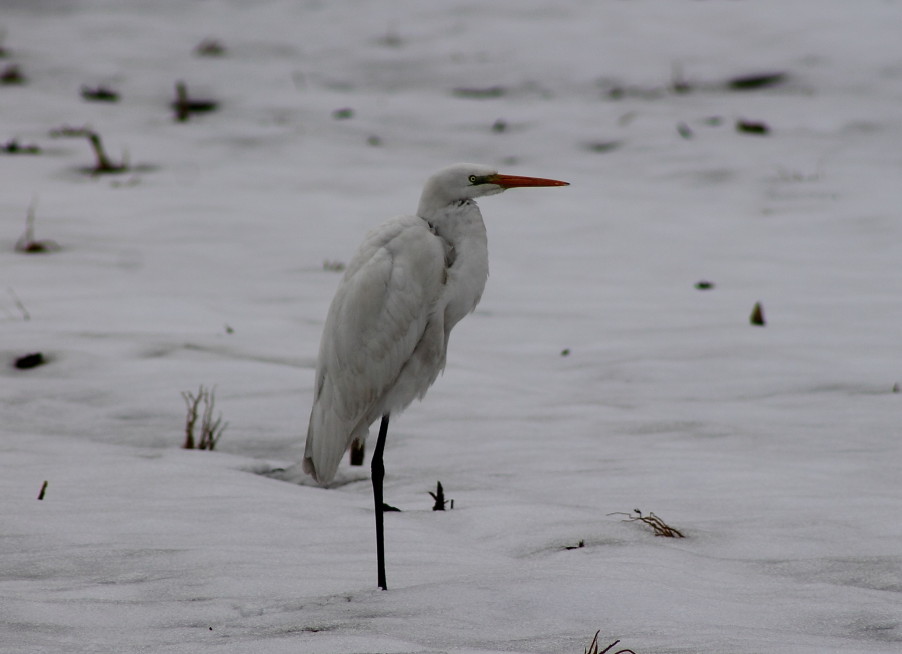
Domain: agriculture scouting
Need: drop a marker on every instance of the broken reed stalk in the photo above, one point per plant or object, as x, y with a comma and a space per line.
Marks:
184, 106
757, 316
104, 165
439, 497
103, 162
660, 527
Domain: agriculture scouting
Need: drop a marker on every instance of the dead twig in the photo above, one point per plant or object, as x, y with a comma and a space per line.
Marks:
660, 527
439, 497
27, 243
210, 429
757, 316
184, 106
19, 304
99, 93
103, 163
593, 647
192, 402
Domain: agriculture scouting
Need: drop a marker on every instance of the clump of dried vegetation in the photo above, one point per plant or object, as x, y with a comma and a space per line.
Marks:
593, 647
200, 407
660, 527
439, 496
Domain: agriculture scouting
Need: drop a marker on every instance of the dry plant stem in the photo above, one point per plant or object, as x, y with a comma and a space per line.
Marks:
660, 527
19, 305
27, 243
757, 316
192, 402
184, 106
181, 102
210, 429
439, 497
104, 165
593, 647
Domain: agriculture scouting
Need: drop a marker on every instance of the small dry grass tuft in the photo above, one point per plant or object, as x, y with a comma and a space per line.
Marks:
660, 527
593, 647
210, 429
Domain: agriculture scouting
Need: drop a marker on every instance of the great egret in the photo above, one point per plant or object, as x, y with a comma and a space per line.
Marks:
386, 334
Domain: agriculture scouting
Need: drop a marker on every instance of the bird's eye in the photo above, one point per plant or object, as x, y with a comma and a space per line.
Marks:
473, 179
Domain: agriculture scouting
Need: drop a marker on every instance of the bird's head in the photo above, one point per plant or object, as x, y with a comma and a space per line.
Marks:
465, 181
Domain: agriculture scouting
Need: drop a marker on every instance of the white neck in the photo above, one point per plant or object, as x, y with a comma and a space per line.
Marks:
461, 227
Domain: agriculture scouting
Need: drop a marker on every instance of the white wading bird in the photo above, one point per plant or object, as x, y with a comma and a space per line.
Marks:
386, 334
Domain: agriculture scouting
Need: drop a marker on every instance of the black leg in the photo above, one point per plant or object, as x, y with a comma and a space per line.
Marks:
378, 474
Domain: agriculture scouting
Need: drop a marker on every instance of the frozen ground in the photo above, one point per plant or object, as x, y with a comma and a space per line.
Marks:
775, 449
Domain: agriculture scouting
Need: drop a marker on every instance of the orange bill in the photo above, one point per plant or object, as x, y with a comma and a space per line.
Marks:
514, 181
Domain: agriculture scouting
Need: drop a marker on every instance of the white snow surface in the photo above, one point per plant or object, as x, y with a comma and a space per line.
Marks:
594, 378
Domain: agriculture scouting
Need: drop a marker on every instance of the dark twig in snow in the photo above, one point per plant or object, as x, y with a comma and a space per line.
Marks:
99, 94
439, 497
593, 647
757, 317
103, 164
27, 243
660, 527
210, 429
185, 106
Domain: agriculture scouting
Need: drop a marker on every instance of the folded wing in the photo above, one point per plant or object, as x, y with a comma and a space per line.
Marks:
381, 341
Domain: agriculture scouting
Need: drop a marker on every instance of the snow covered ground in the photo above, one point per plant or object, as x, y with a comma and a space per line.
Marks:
594, 378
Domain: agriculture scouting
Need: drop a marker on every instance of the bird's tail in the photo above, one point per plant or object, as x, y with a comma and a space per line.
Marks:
310, 468
326, 444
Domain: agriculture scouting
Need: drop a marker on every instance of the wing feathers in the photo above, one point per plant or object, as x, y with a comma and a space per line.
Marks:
376, 321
